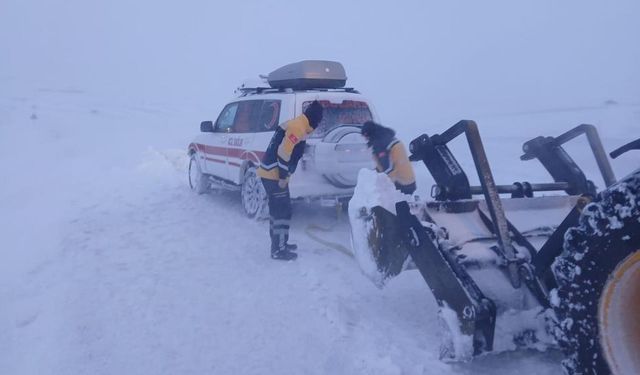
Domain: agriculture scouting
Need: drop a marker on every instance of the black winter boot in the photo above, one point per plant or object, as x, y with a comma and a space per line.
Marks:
283, 255
291, 246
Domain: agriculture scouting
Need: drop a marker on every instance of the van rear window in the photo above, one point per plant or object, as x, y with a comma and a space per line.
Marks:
349, 112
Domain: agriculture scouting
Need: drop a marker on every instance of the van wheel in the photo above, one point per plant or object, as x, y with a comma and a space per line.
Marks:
198, 181
254, 197
598, 277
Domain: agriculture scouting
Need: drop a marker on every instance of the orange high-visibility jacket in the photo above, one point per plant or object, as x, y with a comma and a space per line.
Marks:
392, 159
285, 149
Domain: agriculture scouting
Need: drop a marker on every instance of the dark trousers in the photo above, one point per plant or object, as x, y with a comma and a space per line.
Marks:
279, 213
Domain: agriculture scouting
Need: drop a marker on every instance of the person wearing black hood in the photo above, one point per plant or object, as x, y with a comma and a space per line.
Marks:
278, 163
390, 156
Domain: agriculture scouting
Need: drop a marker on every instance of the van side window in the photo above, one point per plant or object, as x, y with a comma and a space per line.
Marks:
268, 117
247, 116
226, 118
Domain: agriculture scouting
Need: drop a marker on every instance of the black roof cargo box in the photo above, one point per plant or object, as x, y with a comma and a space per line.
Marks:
309, 74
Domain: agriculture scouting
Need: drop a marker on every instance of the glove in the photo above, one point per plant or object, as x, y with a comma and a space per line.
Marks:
282, 184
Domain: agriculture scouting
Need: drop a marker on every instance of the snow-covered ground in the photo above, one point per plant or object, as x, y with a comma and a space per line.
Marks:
110, 265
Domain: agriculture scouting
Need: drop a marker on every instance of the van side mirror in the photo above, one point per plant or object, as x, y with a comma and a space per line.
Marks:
206, 126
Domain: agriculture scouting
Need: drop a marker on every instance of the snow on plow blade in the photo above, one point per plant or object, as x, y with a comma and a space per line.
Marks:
388, 239
386, 243
375, 235
385, 233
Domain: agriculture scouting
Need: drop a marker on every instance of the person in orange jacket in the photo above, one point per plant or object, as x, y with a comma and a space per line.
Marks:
390, 156
278, 163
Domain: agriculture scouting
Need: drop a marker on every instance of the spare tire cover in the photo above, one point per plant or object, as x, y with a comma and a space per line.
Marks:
345, 153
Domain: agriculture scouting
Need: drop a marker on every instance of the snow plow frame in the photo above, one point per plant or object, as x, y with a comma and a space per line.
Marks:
448, 280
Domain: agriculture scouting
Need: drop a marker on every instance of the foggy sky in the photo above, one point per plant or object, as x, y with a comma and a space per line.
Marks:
413, 58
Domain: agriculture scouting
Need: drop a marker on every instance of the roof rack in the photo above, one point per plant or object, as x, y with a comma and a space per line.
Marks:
246, 91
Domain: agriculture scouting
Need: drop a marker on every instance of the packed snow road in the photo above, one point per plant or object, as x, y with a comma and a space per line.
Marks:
112, 266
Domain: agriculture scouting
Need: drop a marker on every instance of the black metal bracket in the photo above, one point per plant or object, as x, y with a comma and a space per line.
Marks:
549, 151
451, 181
634, 145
